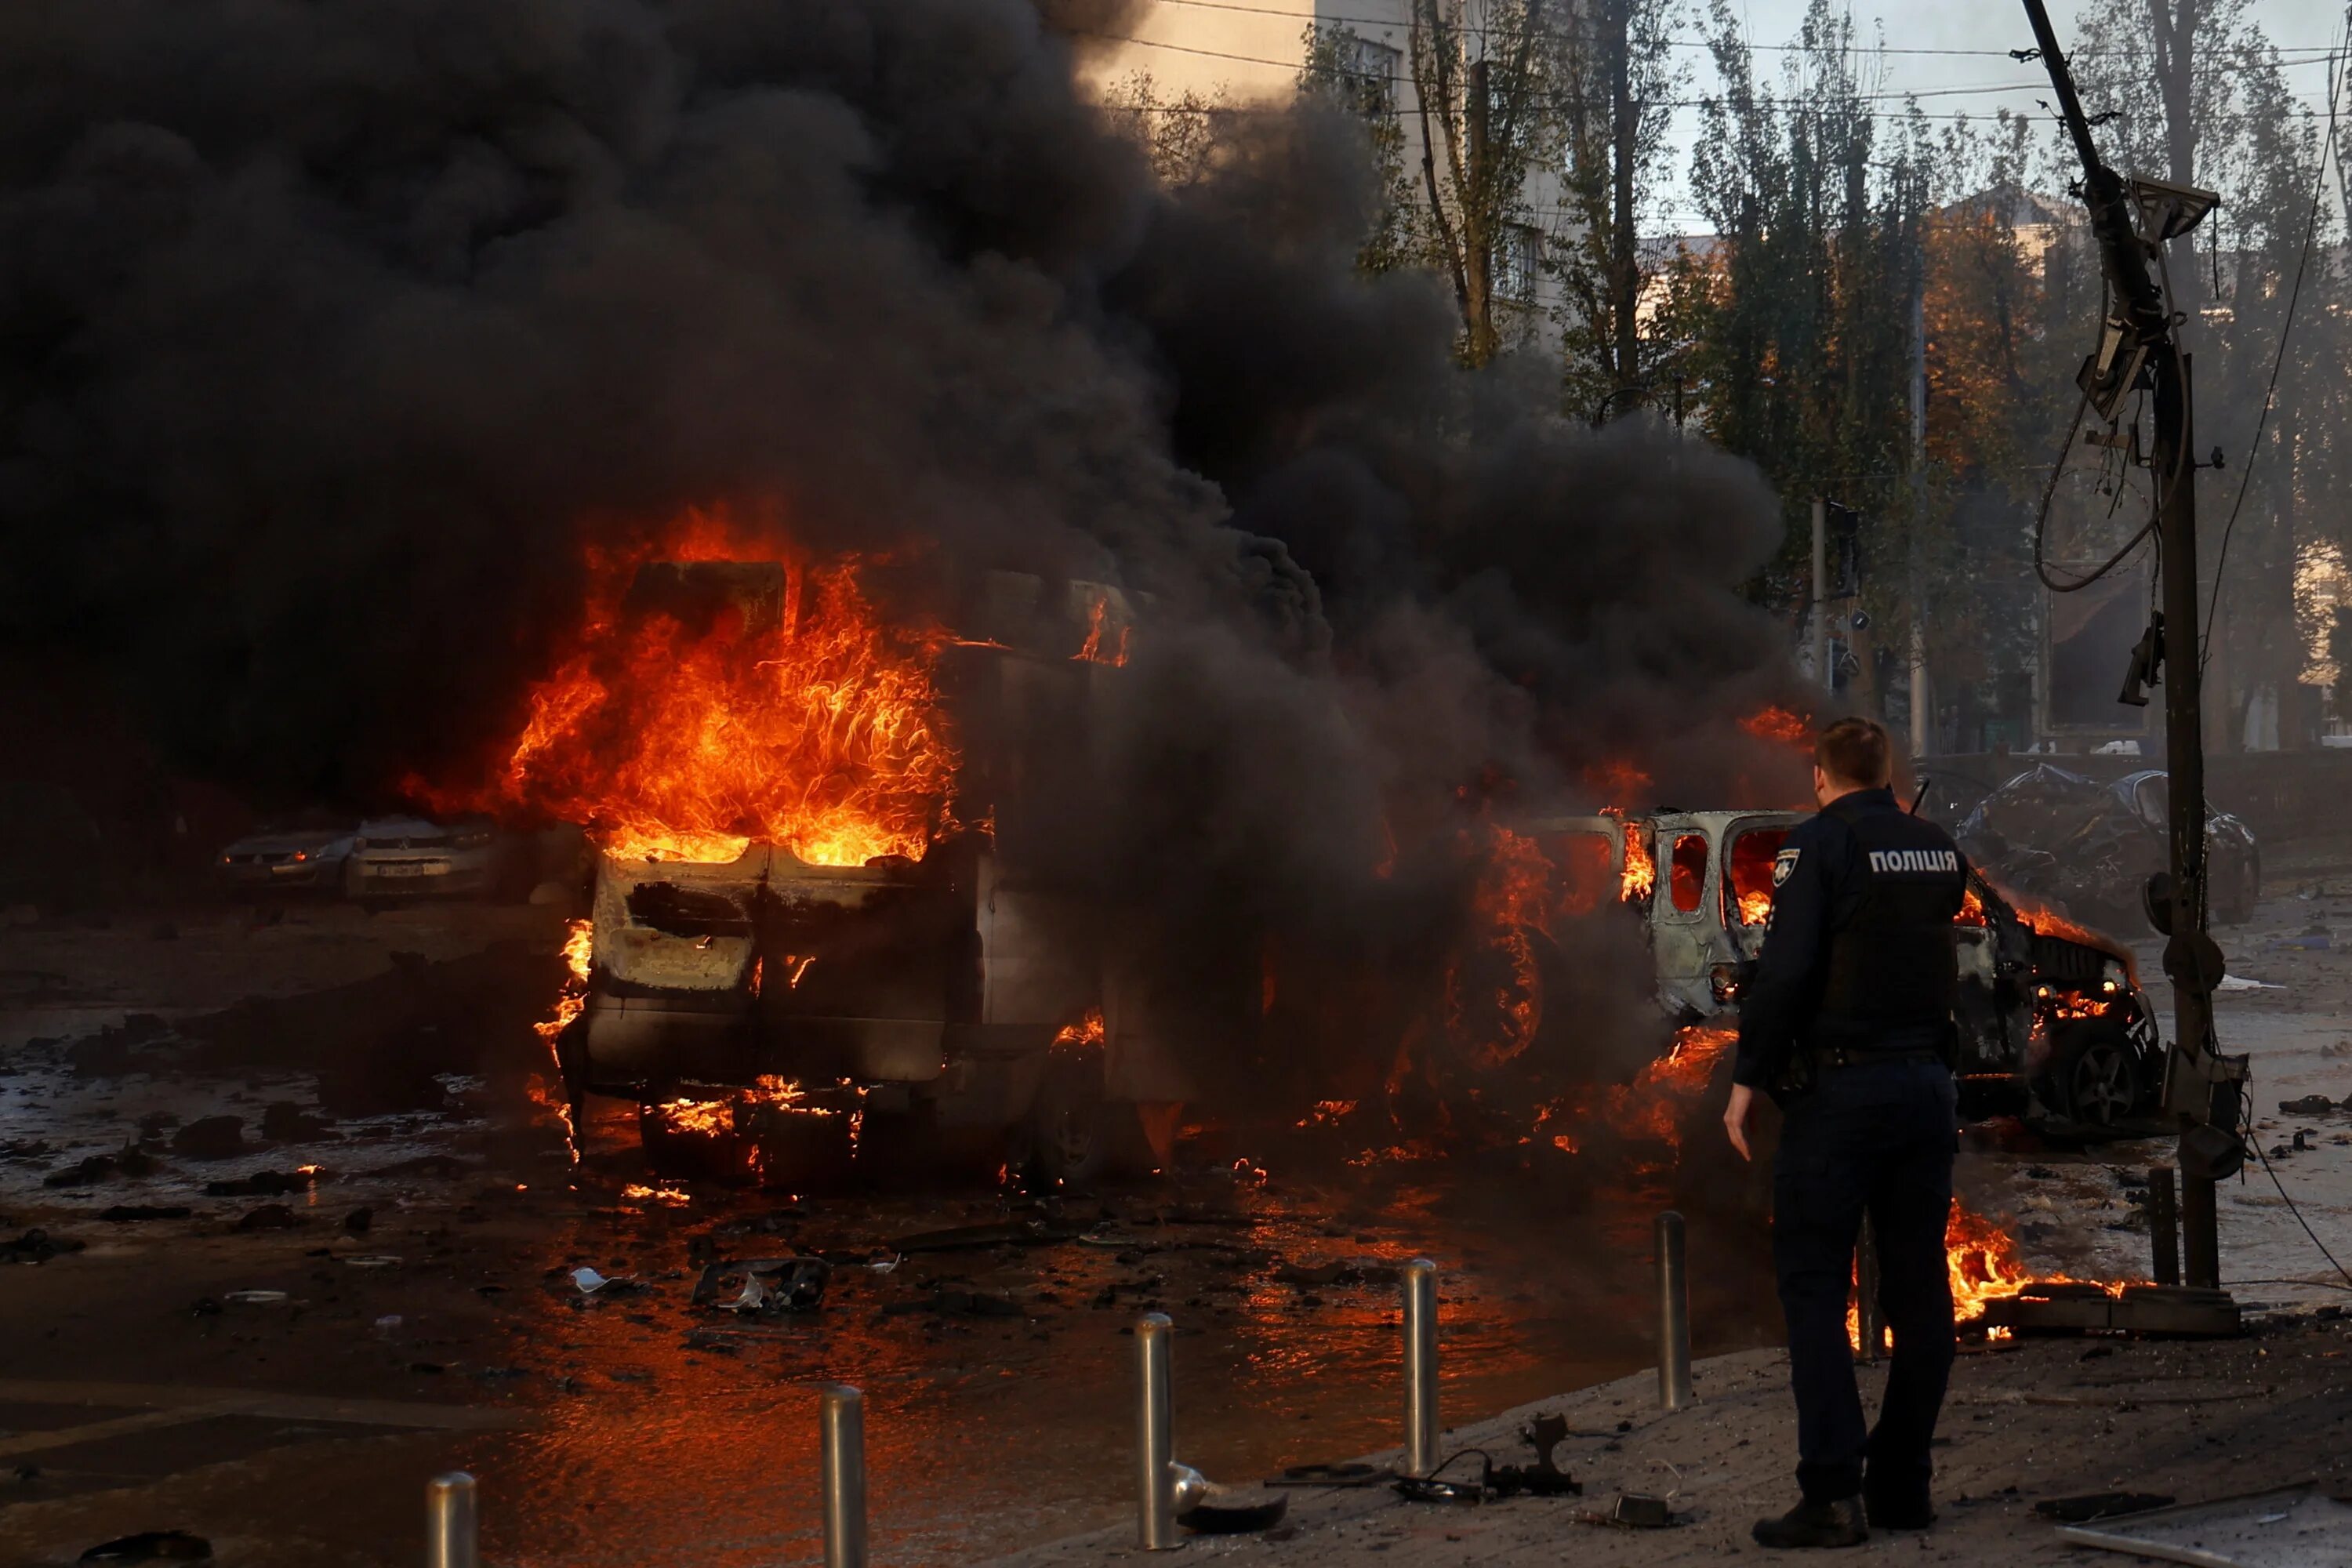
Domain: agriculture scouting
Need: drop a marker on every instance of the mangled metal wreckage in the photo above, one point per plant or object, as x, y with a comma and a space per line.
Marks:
961, 992
2051, 1023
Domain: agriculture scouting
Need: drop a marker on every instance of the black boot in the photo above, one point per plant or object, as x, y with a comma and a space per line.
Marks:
1810, 1524
1892, 1511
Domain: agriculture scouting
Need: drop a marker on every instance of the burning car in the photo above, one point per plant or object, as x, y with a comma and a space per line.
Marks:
2052, 1021
279, 861
798, 934
2091, 846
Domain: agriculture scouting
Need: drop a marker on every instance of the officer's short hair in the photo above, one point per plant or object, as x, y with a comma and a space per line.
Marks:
1856, 752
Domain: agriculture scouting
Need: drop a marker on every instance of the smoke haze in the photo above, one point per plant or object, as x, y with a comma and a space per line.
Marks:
334, 333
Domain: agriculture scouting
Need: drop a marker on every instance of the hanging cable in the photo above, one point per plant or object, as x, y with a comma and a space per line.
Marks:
2269, 392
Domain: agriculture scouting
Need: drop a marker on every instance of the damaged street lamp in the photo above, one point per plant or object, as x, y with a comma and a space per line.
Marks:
2131, 221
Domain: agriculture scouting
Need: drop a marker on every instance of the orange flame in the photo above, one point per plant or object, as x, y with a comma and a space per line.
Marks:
1092, 652
819, 733
1512, 901
1654, 1104
1086, 1031
1779, 724
1640, 879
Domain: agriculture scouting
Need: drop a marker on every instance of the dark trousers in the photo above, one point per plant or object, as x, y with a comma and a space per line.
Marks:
1879, 1138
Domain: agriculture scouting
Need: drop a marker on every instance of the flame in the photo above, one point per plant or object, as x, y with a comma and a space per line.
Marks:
1972, 909
1779, 724
1512, 901
1981, 1262
1755, 909
1086, 1031
637, 1193
579, 946
1092, 652
1327, 1112
819, 734
1641, 876
1654, 1104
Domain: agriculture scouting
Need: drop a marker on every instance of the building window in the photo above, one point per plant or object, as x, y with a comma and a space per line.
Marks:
1519, 262
1372, 74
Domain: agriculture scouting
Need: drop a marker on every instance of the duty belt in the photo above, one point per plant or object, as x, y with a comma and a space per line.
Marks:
1828, 1057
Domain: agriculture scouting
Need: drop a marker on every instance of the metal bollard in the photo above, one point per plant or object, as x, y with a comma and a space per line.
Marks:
1870, 1325
449, 1522
1421, 1428
2163, 1225
1155, 1440
841, 1436
1673, 1316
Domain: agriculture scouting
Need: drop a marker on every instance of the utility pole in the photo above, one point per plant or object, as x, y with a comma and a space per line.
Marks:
2130, 221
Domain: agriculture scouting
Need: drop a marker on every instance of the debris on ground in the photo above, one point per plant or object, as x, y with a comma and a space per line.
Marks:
2309, 1105
268, 1216
763, 1284
38, 1245
152, 1546
128, 1161
1223, 1512
255, 1298
591, 1282
286, 1122
211, 1138
260, 1185
2098, 1505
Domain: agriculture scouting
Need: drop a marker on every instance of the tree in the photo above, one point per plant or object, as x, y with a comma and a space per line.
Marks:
1484, 110
1618, 86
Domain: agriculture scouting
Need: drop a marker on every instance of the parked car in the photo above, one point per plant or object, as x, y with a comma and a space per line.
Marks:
279, 861
2091, 846
398, 858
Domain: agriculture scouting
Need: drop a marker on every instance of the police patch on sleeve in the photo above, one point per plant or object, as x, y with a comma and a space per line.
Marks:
1784, 865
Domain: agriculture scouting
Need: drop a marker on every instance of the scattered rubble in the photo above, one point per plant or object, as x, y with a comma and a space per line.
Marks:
211, 1138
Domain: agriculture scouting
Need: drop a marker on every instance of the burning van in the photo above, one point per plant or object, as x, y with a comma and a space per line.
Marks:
806, 911
2052, 1021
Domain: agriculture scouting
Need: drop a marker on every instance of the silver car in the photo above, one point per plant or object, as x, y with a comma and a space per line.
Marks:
410, 857
287, 859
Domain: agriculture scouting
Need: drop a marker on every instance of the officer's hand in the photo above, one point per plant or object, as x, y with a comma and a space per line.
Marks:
1736, 1115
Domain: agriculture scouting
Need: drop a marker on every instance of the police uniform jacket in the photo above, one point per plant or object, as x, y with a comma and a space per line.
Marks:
1859, 955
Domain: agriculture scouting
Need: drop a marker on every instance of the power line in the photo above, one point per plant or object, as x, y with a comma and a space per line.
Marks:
1904, 96
2317, 52
2253, 451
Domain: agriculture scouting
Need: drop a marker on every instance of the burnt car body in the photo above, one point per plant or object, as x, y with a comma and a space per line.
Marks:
962, 994
2090, 845
276, 861
2050, 1023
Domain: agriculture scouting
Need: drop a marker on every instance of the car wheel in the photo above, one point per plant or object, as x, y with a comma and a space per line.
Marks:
2095, 1074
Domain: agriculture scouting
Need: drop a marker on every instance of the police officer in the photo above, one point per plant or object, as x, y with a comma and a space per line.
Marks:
1847, 1024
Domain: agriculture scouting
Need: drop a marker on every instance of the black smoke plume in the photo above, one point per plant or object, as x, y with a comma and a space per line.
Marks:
330, 334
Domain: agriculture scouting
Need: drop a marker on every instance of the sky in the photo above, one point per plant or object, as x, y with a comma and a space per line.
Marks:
1955, 80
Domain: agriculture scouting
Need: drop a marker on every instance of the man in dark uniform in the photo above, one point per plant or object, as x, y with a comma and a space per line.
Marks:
1847, 1024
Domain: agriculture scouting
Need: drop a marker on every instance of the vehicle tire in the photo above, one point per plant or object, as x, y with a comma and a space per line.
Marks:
2093, 1079
1070, 1133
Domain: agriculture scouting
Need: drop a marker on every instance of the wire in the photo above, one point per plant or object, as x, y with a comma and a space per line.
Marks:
2050, 490
2286, 330
1291, 12
2291, 1206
